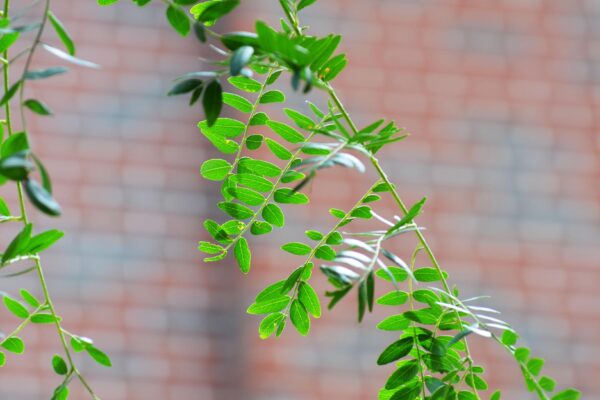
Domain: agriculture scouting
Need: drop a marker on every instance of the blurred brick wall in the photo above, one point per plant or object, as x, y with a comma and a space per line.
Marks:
501, 101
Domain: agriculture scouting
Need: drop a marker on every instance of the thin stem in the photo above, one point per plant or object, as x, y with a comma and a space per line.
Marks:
28, 61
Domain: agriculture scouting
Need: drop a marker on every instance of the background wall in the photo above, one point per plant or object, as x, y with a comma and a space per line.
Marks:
500, 98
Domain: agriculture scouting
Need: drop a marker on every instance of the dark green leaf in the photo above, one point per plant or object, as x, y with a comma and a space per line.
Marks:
41, 199
45, 73
37, 107
59, 365
185, 86
10, 93
396, 351
404, 374
212, 101
240, 58
18, 244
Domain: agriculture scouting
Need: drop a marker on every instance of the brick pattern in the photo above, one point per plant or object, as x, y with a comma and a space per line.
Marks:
500, 99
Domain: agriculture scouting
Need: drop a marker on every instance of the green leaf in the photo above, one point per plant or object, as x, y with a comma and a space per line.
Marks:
259, 119
62, 392
16, 143
278, 150
269, 324
535, 365
325, 252
221, 142
238, 102
242, 255
363, 212
333, 67
106, 2
397, 273
29, 298
214, 10
297, 248
272, 96
62, 33
396, 351
15, 167
301, 120
4, 210
395, 298
404, 374
309, 299
335, 238
414, 211
59, 365
260, 167
245, 84
2, 359
37, 107
300, 318
253, 142
270, 292
509, 338
44, 319
10, 93
568, 394
7, 40
255, 182
476, 382
41, 198
46, 181
210, 248
522, 354
239, 59
269, 305
212, 102
362, 300
394, 323
15, 307
286, 132
273, 214
14, 344
547, 383
99, 356
45, 73
427, 275
185, 86
247, 196
305, 3
496, 395
260, 228
224, 127
314, 235
288, 196
178, 19
43, 241
215, 169
18, 244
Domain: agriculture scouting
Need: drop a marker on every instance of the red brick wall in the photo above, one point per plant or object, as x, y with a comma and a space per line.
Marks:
500, 98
